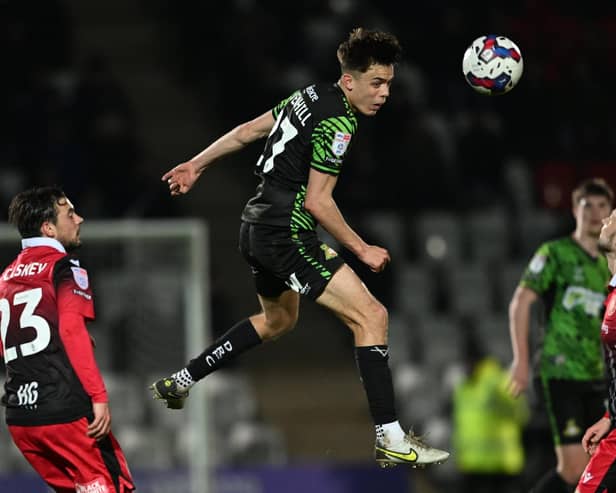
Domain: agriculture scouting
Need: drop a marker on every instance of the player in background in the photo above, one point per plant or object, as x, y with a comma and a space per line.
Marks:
56, 403
599, 441
309, 137
569, 276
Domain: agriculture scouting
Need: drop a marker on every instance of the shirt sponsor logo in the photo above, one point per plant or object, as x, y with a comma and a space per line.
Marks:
334, 160
81, 277
83, 294
312, 94
586, 299
96, 486
340, 143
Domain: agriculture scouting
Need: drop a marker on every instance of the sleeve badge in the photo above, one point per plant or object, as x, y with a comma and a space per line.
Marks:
340, 143
537, 264
81, 277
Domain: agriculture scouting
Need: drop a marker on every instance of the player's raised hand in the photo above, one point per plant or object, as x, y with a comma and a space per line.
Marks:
181, 178
594, 434
101, 424
375, 257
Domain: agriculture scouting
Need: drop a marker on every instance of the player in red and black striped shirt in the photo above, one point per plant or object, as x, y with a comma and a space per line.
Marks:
56, 403
599, 441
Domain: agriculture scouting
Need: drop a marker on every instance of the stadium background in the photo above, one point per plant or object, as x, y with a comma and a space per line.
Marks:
103, 97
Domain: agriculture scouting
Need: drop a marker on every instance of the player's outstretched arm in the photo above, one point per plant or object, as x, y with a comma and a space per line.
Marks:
182, 177
519, 323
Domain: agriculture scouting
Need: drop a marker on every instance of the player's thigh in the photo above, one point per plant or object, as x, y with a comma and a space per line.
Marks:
349, 298
49, 465
572, 459
281, 310
75, 461
256, 250
282, 260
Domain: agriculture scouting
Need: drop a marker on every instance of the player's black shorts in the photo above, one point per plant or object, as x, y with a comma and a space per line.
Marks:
282, 260
572, 406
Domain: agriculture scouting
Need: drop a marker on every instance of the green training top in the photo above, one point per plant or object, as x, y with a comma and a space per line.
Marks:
313, 130
572, 285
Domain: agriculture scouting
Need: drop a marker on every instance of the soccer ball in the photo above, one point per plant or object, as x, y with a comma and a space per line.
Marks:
492, 64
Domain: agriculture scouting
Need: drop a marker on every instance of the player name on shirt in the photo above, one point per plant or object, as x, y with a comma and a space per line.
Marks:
301, 109
20, 270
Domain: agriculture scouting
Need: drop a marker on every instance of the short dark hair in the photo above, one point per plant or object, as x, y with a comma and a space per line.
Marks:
31, 208
592, 186
364, 48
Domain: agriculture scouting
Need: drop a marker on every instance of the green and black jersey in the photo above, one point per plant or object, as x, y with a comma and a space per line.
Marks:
572, 285
313, 129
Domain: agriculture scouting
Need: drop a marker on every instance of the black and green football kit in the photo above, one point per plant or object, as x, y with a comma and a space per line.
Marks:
313, 129
569, 364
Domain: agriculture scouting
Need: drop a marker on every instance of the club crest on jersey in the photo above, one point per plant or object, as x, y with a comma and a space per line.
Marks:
81, 277
328, 251
340, 143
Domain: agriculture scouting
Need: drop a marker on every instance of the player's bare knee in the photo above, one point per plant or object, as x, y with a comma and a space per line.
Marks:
373, 321
277, 326
572, 468
377, 316
571, 478
572, 474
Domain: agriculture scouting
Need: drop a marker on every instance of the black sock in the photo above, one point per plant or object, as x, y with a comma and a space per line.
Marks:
372, 362
551, 482
238, 339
